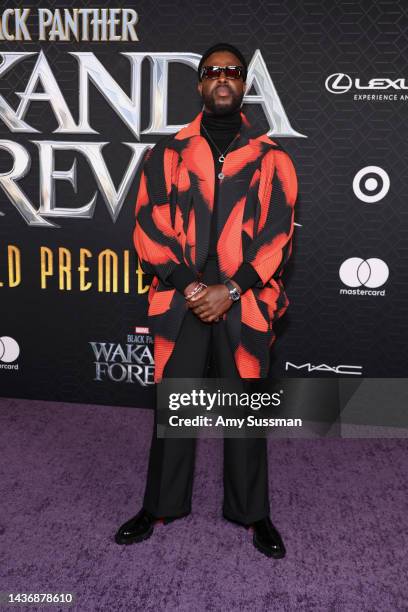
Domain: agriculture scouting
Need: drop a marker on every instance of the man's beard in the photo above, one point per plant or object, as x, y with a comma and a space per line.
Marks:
222, 109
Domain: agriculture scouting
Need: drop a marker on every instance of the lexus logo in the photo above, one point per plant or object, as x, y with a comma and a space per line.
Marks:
371, 184
9, 349
371, 273
338, 83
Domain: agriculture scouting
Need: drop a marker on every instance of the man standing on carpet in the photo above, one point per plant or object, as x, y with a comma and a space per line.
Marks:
214, 225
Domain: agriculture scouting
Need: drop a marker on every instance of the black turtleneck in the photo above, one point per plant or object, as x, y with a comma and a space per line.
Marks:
222, 130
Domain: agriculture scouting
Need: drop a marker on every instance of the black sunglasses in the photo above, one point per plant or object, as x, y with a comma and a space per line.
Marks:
214, 72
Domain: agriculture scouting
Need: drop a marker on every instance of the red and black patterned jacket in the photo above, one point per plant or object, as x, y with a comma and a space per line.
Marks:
255, 224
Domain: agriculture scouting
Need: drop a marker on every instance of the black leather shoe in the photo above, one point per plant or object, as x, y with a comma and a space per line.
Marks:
267, 539
140, 527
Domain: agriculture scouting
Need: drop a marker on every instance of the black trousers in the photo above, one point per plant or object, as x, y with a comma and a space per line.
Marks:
171, 461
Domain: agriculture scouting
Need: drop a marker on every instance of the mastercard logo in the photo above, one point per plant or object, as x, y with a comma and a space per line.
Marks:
9, 349
372, 273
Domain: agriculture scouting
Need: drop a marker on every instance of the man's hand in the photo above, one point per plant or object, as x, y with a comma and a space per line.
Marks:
210, 303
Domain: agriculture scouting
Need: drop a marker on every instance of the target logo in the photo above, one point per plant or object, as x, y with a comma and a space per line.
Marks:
371, 184
9, 349
357, 272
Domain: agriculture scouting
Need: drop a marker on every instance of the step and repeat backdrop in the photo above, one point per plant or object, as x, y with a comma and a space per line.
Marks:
84, 92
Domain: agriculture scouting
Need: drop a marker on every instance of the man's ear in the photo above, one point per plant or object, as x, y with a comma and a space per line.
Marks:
199, 87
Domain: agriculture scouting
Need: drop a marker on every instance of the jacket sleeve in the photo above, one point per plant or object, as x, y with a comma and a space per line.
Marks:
155, 239
246, 276
271, 245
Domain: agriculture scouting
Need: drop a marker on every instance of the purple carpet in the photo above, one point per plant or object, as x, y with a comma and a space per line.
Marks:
72, 473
